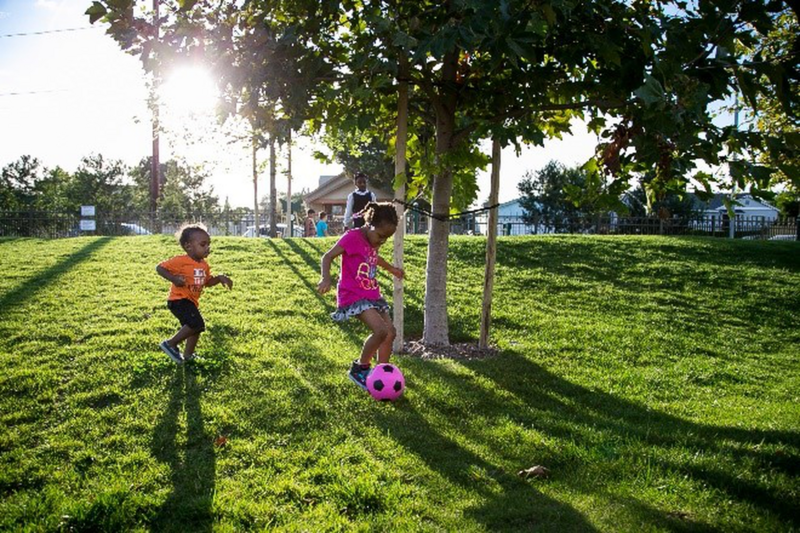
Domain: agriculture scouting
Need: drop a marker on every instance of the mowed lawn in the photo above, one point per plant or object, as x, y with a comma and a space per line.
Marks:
656, 378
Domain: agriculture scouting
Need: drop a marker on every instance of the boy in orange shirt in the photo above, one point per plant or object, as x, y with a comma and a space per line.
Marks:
189, 274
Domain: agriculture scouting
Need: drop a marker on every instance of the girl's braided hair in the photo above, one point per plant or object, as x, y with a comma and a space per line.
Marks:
377, 213
185, 233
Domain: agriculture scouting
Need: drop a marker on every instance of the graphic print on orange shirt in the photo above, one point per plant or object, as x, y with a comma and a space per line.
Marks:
195, 274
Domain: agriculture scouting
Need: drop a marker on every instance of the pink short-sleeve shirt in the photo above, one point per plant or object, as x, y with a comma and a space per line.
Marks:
359, 267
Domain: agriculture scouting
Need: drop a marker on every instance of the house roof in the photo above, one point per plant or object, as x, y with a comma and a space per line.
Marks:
510, 202
718, 202
334, 185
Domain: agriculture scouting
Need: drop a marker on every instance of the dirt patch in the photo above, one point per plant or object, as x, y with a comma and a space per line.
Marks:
462, 351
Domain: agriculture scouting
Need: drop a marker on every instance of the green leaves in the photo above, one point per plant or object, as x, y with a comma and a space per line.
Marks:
651, 92
96, 11
186, 5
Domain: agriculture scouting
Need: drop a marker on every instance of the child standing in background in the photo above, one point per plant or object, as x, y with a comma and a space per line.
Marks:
189, 274
310, 228
358, 294
322, 225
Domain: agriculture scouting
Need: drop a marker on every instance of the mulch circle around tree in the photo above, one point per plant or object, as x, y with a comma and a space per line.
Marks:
464, 351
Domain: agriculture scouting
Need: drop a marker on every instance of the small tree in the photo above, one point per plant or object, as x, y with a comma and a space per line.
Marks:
17, 182
545, 199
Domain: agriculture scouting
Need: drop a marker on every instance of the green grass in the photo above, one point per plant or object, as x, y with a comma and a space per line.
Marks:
656, 378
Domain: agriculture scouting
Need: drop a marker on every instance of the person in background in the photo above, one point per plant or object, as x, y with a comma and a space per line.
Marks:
322, 225
310, 225
357, 201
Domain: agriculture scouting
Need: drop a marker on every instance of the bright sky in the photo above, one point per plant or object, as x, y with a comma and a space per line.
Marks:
67, 94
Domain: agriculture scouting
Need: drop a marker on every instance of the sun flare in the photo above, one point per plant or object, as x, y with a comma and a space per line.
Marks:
189, 90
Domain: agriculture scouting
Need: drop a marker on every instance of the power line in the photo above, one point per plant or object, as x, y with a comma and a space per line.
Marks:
43, 32
34, 92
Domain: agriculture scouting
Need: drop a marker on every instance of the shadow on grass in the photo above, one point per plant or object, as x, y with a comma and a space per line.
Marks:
192, 469
49, 276
511, 504
303, 276
570, 412
313, 261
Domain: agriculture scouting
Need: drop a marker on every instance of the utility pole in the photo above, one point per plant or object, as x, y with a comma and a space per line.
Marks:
154, 163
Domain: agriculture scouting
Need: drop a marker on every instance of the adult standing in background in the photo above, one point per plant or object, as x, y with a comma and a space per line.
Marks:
310, 225
357, 201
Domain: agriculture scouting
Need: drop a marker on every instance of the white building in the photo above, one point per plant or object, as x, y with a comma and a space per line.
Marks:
510, 221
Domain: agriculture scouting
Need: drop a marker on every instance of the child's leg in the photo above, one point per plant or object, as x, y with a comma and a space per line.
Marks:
380, 332
184, 333
191, 342
385, 349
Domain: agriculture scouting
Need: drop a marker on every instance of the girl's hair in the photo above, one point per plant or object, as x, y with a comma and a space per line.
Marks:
377, 213
360, 175
187, 231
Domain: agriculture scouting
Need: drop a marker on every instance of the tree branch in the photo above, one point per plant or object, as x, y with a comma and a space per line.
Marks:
521, 112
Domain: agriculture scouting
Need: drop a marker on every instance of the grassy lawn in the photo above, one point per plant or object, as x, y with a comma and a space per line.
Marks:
656, 378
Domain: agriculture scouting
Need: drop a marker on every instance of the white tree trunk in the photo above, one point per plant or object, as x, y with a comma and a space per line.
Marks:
255, 182
273, 214
289, 223
491, 249
400, 194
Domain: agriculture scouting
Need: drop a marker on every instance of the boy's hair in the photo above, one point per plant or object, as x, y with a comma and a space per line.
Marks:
311, 211
187, 231
377, 213
323, 214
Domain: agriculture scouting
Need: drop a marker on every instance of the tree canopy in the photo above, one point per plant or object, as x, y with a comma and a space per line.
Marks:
644, 75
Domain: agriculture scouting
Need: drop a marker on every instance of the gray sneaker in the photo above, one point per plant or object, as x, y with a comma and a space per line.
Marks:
171, 352
358, 374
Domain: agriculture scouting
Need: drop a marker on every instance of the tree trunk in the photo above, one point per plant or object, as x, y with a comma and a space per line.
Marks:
289, 223
255, 183
491, 249
400, 194
273, 214
435, 329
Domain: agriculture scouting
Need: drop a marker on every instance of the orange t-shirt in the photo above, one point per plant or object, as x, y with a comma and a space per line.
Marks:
195, 273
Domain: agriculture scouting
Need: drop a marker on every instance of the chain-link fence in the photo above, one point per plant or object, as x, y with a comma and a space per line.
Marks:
46, 224
757, 227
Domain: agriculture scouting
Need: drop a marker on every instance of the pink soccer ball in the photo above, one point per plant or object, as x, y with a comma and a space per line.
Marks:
386, 383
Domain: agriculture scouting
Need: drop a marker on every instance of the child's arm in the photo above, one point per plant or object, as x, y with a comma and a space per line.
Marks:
222, 278
324, 284
178, 281
396, 272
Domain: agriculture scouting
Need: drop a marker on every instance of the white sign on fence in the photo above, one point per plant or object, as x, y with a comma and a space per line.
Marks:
87, 224
87, 211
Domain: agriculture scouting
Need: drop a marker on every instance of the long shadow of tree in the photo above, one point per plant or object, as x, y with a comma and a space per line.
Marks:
572, 413
310, 282
623, 419
517, 507
40, 282
192, 468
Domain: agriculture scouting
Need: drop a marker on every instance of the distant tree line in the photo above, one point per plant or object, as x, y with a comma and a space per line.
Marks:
113, 187
557, 195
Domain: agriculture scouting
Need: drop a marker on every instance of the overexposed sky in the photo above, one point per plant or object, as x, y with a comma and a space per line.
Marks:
67, 94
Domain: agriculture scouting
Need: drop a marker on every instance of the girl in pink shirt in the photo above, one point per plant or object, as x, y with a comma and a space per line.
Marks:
358, 294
